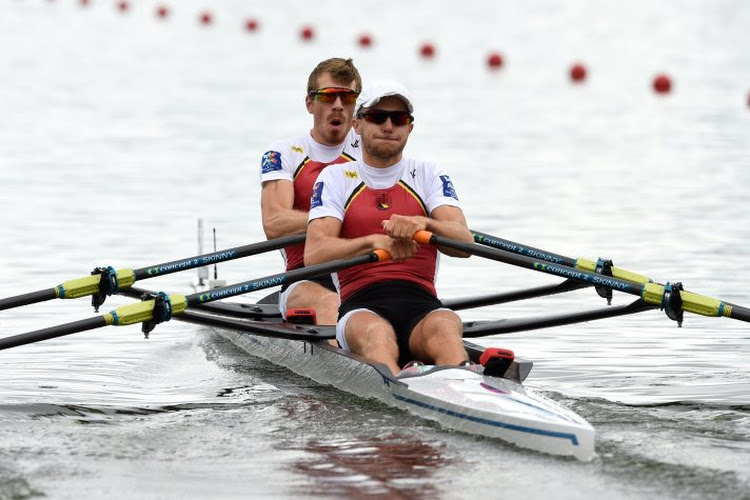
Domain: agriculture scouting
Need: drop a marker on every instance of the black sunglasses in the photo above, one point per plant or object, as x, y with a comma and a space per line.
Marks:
378, 117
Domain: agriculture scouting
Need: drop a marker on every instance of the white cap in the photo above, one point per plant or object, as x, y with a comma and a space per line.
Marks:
374, 92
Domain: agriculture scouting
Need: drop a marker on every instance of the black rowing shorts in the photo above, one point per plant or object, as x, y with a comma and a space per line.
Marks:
402, 303
326, 281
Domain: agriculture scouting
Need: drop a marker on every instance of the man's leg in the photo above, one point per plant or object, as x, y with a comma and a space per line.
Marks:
437, 339
372, 337
309, 294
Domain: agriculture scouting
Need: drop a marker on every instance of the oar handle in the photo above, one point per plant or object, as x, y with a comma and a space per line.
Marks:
382, 255
424, 237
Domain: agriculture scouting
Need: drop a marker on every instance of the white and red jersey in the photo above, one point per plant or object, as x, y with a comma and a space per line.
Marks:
300, 160
361, 197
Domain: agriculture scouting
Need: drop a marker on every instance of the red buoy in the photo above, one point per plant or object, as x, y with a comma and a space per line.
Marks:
307, 33
662, 84
162, 11
251, 25
578, 72
365, 40
427, 50
495, 60
206, 18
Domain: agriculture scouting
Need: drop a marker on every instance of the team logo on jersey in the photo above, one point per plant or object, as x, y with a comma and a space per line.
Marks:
383, 201
355, 144
351, 174
298, 149
448, 189
271, 162
316, 199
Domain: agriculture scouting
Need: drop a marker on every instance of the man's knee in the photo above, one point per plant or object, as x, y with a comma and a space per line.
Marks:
379, 333
370, 333
328, 300
443, 324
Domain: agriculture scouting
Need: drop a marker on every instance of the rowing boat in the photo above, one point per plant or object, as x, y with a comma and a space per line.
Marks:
461, 398
477, 399
486, 399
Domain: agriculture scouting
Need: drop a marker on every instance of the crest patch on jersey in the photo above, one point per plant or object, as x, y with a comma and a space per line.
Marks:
271, 162
383, 201
316, 199
448, 189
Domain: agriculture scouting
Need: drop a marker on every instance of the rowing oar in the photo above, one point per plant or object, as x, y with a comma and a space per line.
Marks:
162, 307
579, 263
672, 298
106, 281
602, 266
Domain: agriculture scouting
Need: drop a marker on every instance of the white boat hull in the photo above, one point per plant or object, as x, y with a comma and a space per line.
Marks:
456, 397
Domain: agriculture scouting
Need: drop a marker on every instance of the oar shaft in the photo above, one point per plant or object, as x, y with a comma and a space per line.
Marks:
27, 298
218, 256
144, 311
425, 237
504, 297
651, 293
89, 285
284, 278
512, 246
738, 312
485, 328
53, 332
536, 253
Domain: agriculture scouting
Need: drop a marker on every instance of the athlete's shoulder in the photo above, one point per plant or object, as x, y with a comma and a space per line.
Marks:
290, 145
332, 185
283, 154
342, 171
415, 168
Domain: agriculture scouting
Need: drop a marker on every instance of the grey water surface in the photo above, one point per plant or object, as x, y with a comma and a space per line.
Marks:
119, 130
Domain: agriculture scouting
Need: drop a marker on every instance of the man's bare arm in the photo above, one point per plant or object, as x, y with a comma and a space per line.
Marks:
279, 218
324, 244
446, 220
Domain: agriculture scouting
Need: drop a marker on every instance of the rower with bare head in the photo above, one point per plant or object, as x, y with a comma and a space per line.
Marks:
389, 310
289, 168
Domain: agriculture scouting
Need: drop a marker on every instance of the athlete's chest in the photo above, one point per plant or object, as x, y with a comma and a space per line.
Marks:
306, 174
367, 207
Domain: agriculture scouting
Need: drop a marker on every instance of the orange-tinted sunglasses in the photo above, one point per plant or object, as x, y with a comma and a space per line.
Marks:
329, 95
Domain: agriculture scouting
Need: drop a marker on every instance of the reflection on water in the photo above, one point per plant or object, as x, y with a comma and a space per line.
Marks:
393, 466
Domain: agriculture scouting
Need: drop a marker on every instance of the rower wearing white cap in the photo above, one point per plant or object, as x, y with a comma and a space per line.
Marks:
389, 311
